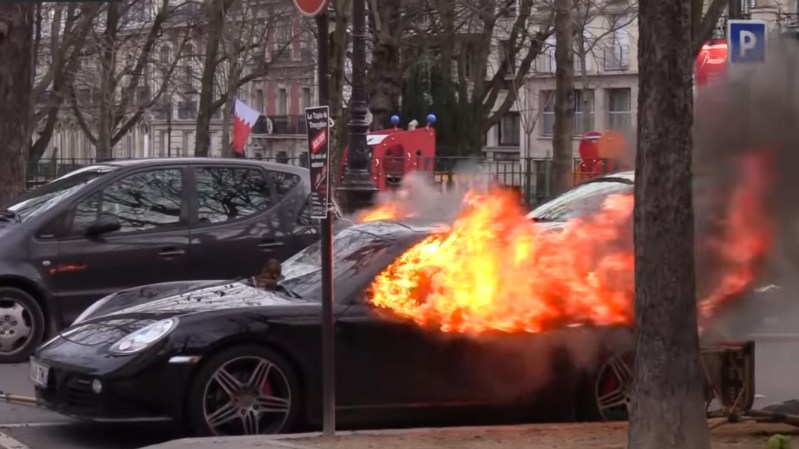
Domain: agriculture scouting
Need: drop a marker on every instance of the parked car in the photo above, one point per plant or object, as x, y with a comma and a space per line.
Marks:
225, 357
116, 225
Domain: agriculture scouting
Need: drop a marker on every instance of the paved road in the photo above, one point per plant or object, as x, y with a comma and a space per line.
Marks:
25, 427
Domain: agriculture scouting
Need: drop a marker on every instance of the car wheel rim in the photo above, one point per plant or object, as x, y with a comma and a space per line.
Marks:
16, 326
614, 387
247, 396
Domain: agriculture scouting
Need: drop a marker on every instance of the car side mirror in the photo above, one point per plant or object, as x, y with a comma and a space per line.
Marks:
104, 225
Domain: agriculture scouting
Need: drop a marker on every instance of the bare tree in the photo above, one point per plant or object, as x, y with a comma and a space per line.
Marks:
243, 38
16, 86
514, 31
114, 86
668, 409
61, 30
598, 25
562, 159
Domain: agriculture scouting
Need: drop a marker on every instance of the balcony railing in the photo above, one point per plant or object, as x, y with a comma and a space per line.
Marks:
283, 125
617, 57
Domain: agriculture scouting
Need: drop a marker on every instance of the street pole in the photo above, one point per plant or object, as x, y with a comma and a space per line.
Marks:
357, 190
735, 10
328, 334
169, 128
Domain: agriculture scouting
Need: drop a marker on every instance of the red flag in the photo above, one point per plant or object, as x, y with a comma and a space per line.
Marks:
244, 118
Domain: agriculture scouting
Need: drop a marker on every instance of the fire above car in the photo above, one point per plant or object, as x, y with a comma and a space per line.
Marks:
499, 269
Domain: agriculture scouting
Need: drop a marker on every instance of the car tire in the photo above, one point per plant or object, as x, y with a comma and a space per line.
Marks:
22, 325
243, 390
612, 387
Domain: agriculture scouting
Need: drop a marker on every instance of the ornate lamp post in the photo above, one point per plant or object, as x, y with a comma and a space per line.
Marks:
357, 190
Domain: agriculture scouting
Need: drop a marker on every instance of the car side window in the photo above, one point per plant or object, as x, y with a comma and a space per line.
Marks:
284, 182
304, 217
141, 202
225, 194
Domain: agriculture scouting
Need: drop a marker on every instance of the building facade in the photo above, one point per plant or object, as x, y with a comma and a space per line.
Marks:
167, 128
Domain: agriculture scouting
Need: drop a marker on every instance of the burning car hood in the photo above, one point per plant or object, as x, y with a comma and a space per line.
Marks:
182, 298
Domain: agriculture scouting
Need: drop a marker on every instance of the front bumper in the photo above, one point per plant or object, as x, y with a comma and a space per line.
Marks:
154, 394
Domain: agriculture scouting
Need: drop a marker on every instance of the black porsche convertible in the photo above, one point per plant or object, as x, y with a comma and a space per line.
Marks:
228, 357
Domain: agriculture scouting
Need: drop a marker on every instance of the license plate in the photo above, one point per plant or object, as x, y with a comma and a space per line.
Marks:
39, 373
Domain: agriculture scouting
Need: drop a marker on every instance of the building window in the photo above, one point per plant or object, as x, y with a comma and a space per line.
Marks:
619, 109
510, 129
188, 137
583, 112
282, 101
306, 98
617, 50
259, 100
165, 144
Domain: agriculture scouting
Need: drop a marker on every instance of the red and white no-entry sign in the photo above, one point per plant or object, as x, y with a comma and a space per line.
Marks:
311, 8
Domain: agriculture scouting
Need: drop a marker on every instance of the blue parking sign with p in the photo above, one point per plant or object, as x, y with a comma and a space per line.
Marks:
746, 40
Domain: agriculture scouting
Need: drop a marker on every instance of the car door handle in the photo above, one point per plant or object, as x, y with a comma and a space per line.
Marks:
171, 252
266, 244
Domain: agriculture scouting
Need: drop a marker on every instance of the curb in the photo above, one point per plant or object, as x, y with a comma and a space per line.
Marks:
286, 441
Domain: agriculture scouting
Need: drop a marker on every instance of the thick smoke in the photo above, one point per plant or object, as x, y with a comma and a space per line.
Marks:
756, 111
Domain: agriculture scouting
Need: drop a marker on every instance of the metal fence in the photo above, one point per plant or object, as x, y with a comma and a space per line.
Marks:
529, 177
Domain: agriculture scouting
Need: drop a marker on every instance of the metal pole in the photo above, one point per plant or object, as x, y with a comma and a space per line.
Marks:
734, 10
357, 190
328, 334
169, 128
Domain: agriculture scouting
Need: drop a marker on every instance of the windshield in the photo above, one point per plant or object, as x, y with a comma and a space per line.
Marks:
38, 201
581, 200
355, 253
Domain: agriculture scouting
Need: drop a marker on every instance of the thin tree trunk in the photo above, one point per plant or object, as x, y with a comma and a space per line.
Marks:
216, 24
562, 158
227, 123
16, 87
107, 83
668, 409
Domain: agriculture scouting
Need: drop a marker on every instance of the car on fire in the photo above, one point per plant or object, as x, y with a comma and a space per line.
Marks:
228, 357
120, 224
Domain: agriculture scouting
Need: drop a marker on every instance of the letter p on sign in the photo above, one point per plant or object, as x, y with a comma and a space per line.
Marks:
746, 41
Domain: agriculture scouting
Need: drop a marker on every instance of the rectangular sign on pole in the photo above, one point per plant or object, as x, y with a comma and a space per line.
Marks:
318, 123
746, 40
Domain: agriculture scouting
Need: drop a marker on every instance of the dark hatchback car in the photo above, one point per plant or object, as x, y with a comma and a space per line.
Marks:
122, 224
227, 357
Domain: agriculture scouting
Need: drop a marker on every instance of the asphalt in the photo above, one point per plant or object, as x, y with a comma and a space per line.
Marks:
27, 427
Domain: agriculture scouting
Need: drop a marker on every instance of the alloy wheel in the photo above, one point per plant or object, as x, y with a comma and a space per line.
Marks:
247, 395
16, 325
614, 387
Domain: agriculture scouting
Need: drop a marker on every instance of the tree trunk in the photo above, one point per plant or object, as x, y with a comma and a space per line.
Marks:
216, 24
108, 67
227, 123
667, 408
562, 157
385, 71
16, 87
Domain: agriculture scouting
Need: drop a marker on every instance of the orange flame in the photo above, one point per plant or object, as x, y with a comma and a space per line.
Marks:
495, 270
387, 211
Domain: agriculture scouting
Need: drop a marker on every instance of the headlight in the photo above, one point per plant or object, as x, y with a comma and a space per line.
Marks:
144, 337
92, 308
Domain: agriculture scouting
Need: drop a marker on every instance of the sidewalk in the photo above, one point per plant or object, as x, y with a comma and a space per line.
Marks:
550, 436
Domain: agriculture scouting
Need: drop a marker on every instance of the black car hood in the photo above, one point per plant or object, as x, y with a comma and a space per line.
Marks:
161, 301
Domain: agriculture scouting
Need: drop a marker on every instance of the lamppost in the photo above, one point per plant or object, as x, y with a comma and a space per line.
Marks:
357, 190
